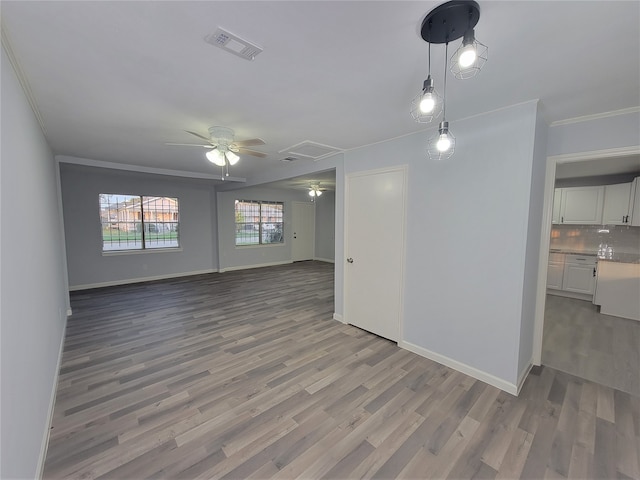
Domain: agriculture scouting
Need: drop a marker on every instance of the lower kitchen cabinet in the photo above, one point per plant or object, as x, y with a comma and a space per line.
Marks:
579, 275
555, 271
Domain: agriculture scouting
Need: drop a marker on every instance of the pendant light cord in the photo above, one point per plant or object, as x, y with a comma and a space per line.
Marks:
444, 94
429, 58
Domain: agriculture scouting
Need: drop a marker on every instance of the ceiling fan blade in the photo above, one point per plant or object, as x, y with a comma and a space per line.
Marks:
251, 152
191, 145
252, 142
199, 136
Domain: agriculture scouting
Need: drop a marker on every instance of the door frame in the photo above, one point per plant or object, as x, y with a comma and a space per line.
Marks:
545, 230
404, 169
295, 204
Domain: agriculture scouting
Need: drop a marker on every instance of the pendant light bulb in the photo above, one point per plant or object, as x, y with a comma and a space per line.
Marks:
467, 56
444, 142
428, 103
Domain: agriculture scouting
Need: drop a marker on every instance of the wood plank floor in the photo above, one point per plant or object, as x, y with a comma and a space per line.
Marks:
245, 375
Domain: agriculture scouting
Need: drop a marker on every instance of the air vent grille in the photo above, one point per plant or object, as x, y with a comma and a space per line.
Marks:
233, 44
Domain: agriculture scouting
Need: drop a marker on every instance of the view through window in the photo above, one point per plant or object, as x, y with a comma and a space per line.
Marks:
259, 223
134, 222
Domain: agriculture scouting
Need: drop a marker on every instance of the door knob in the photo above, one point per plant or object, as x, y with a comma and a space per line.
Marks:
349, 260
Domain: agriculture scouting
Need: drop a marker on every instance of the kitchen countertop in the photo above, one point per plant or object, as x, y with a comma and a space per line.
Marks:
615, 256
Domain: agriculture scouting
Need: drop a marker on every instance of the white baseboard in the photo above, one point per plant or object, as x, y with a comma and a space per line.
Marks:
338, 317
461, 367
257, 265
328, 260
138, 280
52, 402
564, 293
523, 375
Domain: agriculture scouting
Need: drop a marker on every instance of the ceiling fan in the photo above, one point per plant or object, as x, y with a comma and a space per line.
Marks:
223, 149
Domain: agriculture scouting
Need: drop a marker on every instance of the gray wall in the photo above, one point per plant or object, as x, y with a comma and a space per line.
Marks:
325, 226
232, 257
33, 284
88, 267
598, 134
467, 237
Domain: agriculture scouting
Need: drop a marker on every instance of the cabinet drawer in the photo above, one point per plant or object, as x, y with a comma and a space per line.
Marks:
580, 259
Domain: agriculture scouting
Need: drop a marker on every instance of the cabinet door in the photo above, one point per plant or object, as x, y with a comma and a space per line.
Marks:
578, 278
555, 217
554, 275
616, 204
634, 203
582, 205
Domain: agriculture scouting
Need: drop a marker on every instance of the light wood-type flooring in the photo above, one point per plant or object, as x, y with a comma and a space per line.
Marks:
577, 339
246, 375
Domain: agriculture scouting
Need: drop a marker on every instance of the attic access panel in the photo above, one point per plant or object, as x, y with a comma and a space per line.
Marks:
309, 149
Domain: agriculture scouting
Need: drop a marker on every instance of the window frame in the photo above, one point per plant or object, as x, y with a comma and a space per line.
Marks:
142, 224
260, 224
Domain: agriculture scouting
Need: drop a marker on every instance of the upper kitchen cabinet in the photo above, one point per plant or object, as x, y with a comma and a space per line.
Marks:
555, 216
581, 205
634, 203
616, 204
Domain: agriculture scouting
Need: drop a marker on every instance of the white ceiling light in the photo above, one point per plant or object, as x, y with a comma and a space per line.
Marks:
427, 104
314, 191
216, 157
470, 57
232, 158
446, 23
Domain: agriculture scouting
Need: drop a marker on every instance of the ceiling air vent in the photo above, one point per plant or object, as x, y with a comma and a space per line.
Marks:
233, 44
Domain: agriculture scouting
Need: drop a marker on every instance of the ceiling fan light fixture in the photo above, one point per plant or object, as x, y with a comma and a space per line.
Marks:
232, 158
216, 157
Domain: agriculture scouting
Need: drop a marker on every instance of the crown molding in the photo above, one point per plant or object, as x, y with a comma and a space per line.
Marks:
596, 116
22, 78
138, 168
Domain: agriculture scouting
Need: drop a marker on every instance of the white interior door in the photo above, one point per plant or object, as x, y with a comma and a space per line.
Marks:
304, 231
375, 238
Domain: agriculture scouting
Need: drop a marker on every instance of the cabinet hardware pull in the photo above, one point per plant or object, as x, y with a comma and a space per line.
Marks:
561, 219
594, 271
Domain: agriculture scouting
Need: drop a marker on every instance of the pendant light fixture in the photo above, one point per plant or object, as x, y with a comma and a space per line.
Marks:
446, 23
470, 57
442, 145
427, 104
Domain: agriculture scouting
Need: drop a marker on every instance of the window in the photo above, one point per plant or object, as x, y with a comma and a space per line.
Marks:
133, 222
259, 223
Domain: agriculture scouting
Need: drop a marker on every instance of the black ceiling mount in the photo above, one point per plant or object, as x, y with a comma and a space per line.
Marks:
449, 21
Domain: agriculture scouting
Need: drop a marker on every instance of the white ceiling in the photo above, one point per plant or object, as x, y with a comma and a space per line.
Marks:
114, 81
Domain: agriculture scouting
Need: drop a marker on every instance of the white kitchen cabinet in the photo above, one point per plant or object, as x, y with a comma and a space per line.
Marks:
555, 216
616, 204
555, 271
581, 205
617, 290
579, 274
634, 203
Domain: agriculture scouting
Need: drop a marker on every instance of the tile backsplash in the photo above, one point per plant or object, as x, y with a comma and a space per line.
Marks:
596, 238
